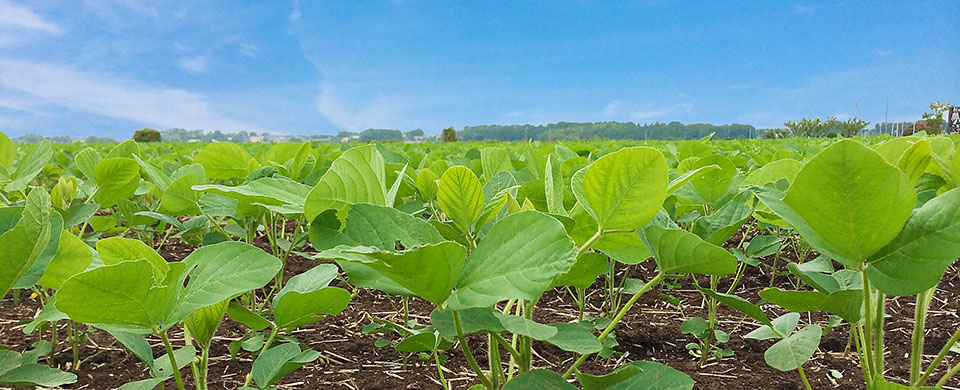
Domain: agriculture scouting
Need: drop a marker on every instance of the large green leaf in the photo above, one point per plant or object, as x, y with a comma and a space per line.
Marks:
375, 226
117, 178
36, 271
718, 227
852, 199
279, 361
460, 196
518, 258
638, 375
625, 189
118, 294
32, 374
493, 160
225, 160
8, 152
267, 190
30, 166
792, 352
22, 246
296, 308
357, 176
929, 242
430, 271
539, 380
774, 171
553, 186
847, 304
114, 250
203, 323
574, 337
180, 198
219, 272
679, 251
712, 185
73, 256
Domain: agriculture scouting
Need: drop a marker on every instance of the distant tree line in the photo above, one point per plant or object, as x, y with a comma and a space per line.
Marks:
607, 130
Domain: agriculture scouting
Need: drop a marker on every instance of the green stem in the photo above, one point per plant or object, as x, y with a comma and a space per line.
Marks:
527, 343
589, 243
868, 345
173, 359
623, 311
940, 356
803, 377
948, 375
493, 356
443, 381
919, 320
466, 352
266, 346
216, 225
506, 345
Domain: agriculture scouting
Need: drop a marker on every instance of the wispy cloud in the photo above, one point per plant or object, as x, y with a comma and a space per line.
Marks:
379, 112
803, 9
195, 64
13, 16
114, 97
882, 52
636, 111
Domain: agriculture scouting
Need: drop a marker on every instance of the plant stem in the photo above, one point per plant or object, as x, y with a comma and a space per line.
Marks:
173, 359
493, 357
443, 381
919, 320
525, 352
623, 311
266, 346
940, 356
466, 352
589, 243
803, 377
948, 375
868, 346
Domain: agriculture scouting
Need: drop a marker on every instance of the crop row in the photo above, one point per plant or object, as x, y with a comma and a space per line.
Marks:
480, 231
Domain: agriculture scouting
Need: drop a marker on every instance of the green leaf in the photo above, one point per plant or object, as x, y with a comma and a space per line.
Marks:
73, 256
687, 176
471, 320
539, 380
36, 375
773, 172
87, 160
297, 309
718, 227
553, 182
118, 294
357, 176
179, 198
792, 352
844, 303
679, 251
267, 190
8, 152
427, 183
584, 272
526, 327
203, 323
519, 258
696, 326
929, 242
853, 200
117, 178
49, 313
739, 304
421, 342
374, 226
219, 272
22, 246
577, 338
115, 250
460, 196
915, 160
241, 314
712, 185
226, 160
430, 271
493, 160
35, 272
160, 178
625, 189
30, 166
638, 375
784, 325
184, 356
279, 361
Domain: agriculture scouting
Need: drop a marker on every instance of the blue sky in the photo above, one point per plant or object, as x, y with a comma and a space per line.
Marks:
109, 67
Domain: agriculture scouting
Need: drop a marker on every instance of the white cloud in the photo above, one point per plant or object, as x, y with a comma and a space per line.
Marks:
635, 111
132, 100
249, 49
195, 64
802, 9
295, 14
18, 17
881, 52
381, 112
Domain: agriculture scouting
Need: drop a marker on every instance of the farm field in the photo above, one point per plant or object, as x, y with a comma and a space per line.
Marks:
797, 263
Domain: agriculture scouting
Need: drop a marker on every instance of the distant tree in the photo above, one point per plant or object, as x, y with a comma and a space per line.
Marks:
815, 128
449, 135
380, 135
776, 133
146, 135
851, 127
934, 122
